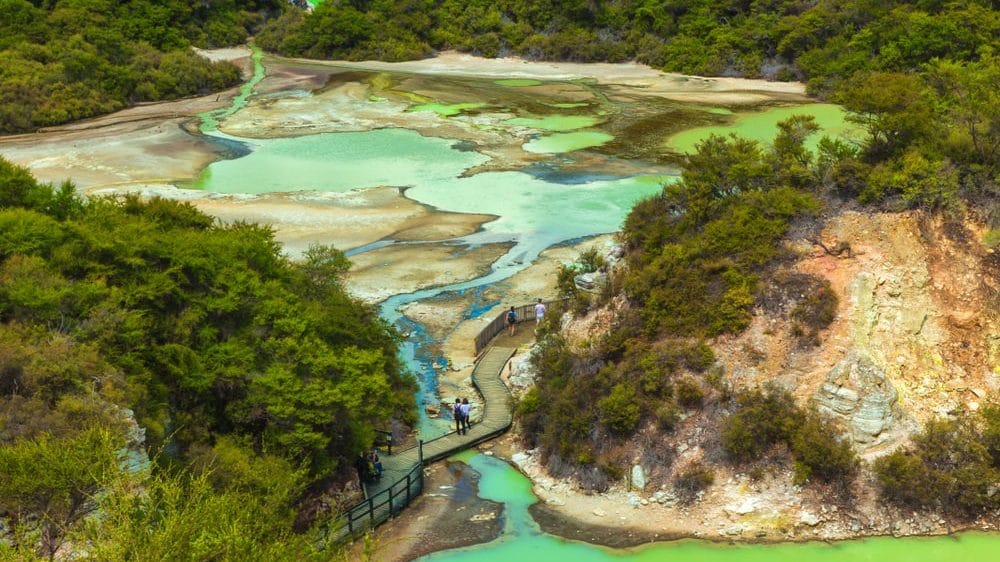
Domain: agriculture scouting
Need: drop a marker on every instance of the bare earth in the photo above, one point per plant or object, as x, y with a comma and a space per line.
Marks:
405, 268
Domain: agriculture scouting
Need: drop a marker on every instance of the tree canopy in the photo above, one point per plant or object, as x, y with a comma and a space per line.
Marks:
229, 355
65, 60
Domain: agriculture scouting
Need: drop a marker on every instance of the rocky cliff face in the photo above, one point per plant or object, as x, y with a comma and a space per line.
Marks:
915, 334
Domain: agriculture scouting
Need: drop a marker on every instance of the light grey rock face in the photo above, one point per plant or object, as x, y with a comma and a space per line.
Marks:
591, 282
858, 392
808, 518
638, 477
522, 374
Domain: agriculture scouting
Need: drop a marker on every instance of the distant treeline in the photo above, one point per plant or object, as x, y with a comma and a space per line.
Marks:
821, 41
64, 60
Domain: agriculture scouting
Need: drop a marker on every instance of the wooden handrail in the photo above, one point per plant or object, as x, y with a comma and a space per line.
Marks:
499, 324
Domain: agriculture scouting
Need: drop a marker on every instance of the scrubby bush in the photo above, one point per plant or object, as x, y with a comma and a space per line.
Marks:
693, 479
820, 453
814, 312
667, 416
619, 410
761, 420
950, 467
689, 393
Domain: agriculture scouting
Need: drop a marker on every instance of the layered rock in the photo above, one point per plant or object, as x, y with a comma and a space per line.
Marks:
858, 392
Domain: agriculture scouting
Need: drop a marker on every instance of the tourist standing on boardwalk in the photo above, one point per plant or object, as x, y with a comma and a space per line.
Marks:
456, 412
512, 320
466, 408
539, 311
376, 464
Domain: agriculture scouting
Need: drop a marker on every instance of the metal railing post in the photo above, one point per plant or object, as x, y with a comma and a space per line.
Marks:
371, 510
420, 453
408, 488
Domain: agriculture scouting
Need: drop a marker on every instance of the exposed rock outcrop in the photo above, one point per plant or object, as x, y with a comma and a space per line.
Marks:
858, 392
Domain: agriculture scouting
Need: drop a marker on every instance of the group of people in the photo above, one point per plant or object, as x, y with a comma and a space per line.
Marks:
512, 316
369, 466
460, 411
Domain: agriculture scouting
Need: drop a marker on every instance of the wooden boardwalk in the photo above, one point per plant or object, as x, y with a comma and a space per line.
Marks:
402, 472
496, 418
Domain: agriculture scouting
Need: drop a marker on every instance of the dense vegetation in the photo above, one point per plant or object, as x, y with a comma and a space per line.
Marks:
251, 375
63, 60
952, 467
763, 421
823, 42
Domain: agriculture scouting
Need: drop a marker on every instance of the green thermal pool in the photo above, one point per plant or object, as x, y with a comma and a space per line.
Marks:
523, 541
518, 82
447, 109
763, 126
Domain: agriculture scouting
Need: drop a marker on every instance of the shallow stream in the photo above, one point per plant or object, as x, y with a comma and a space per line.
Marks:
523, 541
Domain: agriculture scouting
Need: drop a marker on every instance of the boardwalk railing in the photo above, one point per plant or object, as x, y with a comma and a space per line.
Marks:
378, 508
497, 416
524, 313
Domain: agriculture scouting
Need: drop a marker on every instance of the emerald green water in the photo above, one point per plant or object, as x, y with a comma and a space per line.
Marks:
566, 142
763, 126
338, 162
210, 119
523, 541
556, 122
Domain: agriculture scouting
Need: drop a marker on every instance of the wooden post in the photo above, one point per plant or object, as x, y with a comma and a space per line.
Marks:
408, 488
420, 452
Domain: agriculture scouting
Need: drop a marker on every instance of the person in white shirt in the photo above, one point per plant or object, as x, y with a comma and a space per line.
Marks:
539, 311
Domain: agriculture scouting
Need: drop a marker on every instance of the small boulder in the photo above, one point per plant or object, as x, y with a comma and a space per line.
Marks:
809, 518
638, 477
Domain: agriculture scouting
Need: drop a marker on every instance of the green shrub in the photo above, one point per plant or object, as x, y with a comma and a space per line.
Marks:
689, 393
761, 420
992, 238
691, 480
950, 467
667, 416
904, 479
619, 411
820, 453
819, 308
